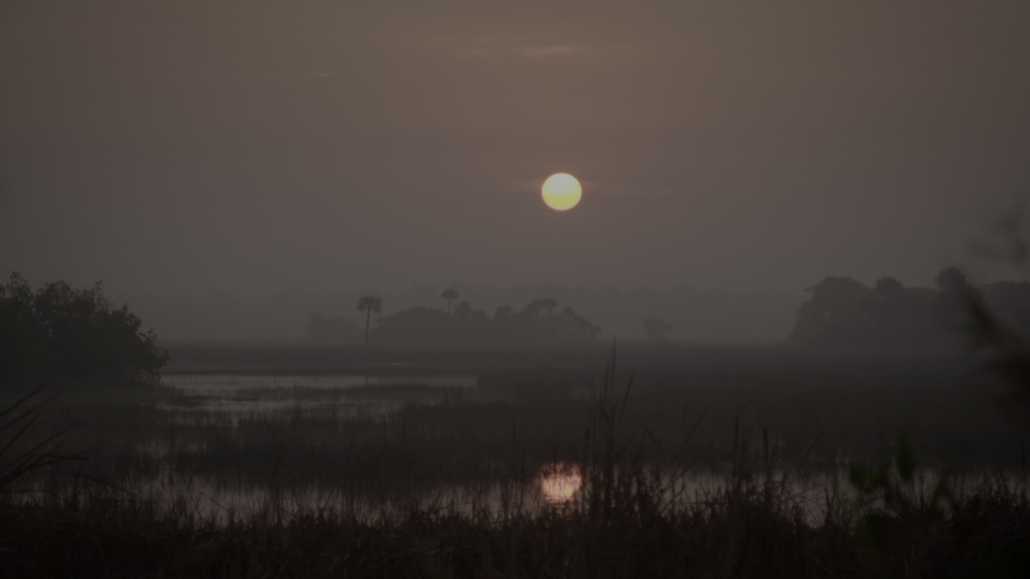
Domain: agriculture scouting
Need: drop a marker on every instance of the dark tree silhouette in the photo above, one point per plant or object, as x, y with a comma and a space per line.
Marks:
834, 301
545, 305
657, 329
548, 305
503, 313
954, 294
889, 289
531, 310
450, 294
843, 312
62, 332
951, 281
369, 304
1000, 332
833, 297
888, 301
568, 317
463, 308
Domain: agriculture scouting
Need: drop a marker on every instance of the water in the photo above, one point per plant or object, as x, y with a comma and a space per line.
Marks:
228, 384
227, 399
231, 441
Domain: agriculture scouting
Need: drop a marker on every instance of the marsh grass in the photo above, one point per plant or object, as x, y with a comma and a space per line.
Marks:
516, 419
630, 521
448, 486
20, 455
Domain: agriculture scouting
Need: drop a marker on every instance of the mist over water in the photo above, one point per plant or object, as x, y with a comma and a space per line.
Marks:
283, 294
697, 316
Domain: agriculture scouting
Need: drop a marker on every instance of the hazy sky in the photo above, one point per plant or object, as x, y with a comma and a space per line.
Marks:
256, 146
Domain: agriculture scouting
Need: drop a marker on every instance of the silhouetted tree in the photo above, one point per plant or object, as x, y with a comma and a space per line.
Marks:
61, 331
887, 301
450, 294
568, 317
531, 310
833, 300
999, 317
503, 313
584, 329
951, 281
541, 324
834, 297
657, 329
548, 305
369, 304
954, 293
844, 312
463, 308
889, 289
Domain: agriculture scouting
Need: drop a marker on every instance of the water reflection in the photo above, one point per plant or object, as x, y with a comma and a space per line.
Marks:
222, 384
224, 400
559, 482
226, 412
222, 501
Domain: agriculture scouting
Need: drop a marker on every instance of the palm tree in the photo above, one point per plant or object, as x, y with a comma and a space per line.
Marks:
450, 294
369, 304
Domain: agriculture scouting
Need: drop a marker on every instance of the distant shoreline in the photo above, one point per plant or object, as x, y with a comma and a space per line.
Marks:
300, 358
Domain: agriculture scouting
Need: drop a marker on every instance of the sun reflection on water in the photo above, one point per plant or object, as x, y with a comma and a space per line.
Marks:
559, 482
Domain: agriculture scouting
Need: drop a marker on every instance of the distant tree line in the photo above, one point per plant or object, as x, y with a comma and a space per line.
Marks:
843, 312
61, 332
657, 329
539, 322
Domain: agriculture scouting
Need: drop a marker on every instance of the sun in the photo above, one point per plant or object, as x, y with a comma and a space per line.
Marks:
561, 192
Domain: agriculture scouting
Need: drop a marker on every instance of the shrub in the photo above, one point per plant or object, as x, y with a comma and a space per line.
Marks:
58, 331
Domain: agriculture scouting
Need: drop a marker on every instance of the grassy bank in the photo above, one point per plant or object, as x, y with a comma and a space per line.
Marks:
445, 482
623, 525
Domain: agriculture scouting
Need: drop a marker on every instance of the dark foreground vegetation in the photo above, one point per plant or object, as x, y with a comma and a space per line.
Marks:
627, 522
768, 513
739, 534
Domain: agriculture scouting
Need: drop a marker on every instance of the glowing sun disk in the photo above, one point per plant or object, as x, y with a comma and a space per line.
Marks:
561, 192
